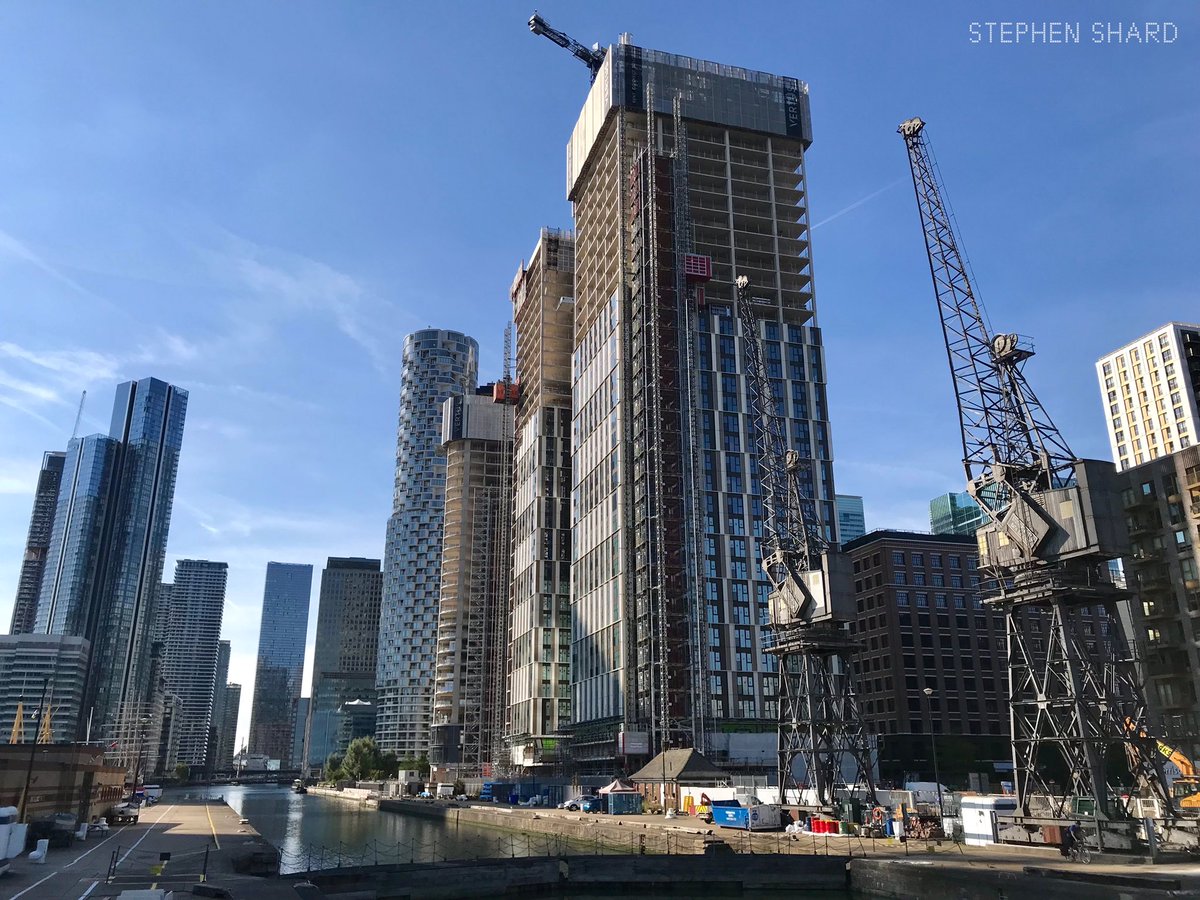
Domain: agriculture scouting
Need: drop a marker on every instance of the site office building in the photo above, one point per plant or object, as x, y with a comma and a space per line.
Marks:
668, 598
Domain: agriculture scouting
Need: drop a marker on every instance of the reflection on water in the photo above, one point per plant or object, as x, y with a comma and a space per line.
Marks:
314, 832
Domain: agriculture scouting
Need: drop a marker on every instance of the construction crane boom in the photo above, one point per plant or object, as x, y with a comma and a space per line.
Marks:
78, 416
1053, 527
592, 57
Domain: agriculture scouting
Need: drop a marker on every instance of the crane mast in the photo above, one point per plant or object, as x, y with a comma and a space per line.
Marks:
810, 604
1054, 522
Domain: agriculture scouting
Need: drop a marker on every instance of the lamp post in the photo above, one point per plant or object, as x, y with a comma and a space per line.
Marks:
937, 778
24, 817
143, 722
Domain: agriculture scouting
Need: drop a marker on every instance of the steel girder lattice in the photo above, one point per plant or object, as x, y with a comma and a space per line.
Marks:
819, 721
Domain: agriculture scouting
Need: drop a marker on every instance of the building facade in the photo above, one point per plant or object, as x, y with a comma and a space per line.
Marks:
683, 175
302, 707
852, 521
472, 645
921, 623
229, 725
1162, 508
435, 365
216, 736
955, 513
539, 681
344, 663
37, 544
192, 647
282, 633
1150, 390
41, 672
107, 550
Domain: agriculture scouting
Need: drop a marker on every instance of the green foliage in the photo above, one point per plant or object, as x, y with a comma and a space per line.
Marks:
459, 787
183, 772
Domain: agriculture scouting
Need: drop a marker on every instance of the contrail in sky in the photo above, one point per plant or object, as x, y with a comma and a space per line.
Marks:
857, 203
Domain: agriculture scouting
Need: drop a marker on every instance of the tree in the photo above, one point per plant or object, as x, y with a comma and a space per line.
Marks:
183, 772
333, 767
459, 788
363, 759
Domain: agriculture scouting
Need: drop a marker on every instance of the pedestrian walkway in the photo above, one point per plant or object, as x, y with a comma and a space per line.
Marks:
176, 844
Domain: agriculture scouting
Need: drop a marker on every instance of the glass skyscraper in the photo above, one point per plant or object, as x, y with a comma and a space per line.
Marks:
955, 513
852, 523
107, 550
192, 651
435, 364
280, 669
342, 706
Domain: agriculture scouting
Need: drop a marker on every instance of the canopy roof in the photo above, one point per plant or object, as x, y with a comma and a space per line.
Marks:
617, 786
679, 767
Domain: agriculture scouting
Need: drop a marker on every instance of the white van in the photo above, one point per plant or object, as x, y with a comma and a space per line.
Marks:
445, 791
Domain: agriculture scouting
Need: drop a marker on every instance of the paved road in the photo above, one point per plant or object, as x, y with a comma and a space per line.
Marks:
197, 836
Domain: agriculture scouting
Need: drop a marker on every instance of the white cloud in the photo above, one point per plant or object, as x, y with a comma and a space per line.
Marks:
297, 283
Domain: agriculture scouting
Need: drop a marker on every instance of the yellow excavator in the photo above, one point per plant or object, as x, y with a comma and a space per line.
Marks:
1185, 790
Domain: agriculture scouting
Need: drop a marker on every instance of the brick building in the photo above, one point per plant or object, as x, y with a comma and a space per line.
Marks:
921, 624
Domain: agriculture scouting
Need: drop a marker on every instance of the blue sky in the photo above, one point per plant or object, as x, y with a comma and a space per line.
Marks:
257, 201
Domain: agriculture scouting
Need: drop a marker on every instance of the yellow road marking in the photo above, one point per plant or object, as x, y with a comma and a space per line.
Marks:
212, 827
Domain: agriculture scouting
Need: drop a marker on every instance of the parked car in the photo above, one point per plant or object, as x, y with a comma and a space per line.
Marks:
574, 804
593, 805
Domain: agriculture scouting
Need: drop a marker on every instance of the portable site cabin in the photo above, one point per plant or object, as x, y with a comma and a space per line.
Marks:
979, 817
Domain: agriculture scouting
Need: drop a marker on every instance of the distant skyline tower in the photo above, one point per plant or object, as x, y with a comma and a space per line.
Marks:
852, 521
472, 634
192, 648
684, 174
344, 661
435, 364
37, 544
229, 726
108, 547
539, 679
282, 633
955, 513
217, 721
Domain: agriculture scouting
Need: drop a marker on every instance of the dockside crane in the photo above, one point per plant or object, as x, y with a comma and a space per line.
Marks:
592, 57
810, 603
1054, 522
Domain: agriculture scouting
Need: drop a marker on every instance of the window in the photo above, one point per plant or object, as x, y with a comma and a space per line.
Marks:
901, 578
897, 558
918, 559
902, 598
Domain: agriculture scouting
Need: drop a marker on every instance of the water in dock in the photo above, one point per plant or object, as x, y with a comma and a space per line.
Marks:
315, 832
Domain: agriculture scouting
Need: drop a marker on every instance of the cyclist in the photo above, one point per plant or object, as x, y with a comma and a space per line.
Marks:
1071, 837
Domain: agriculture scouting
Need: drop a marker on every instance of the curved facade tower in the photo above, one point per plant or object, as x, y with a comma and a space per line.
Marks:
435, 364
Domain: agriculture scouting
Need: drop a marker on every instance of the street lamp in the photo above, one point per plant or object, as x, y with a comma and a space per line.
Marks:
928, 692
24, 817
143, 722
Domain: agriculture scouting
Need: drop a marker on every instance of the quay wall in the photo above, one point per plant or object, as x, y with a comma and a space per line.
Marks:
610, 831
688, 876
906, 878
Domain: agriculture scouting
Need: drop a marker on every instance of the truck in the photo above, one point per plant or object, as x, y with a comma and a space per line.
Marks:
445, 791
751, 816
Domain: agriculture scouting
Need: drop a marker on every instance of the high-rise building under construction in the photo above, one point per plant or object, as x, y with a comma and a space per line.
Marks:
539, 681
472, 631
684, 174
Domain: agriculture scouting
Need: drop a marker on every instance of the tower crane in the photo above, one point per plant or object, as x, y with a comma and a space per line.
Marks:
1053, 523
592, 57
810, 604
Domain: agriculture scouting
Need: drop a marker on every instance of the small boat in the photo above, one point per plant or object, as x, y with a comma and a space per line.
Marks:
298, 787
